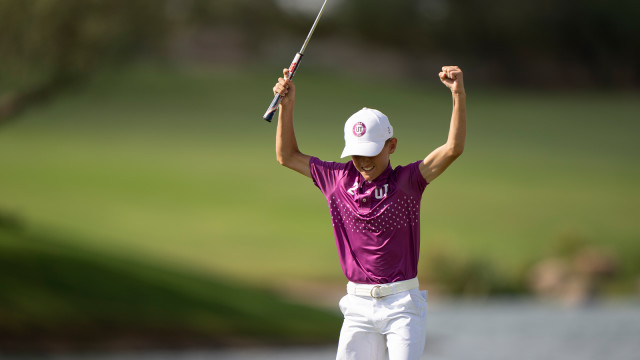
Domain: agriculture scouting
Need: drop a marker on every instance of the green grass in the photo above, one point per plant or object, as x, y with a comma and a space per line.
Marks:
177, 167
54, 294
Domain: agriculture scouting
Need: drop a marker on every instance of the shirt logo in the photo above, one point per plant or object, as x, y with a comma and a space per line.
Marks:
382, 193
359, 129
352, 189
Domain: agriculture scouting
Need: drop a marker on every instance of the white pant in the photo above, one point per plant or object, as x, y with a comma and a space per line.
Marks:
393, 326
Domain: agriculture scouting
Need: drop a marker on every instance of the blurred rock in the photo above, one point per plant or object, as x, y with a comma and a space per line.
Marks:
594, 262
548, 277
574, 279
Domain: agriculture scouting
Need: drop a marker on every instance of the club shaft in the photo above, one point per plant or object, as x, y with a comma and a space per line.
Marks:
268, 115
313, 28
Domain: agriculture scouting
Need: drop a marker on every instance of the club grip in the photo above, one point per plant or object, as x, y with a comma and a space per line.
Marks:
276, 99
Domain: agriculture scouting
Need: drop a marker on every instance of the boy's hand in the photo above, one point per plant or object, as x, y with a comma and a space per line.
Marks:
286, 88
451, 77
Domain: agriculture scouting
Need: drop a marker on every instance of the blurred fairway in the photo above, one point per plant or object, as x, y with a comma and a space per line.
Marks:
59, 297
178, 168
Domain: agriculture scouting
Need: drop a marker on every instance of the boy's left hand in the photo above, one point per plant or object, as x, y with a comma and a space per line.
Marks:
451, 77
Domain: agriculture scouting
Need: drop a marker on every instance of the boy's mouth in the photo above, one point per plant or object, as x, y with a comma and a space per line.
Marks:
368, 168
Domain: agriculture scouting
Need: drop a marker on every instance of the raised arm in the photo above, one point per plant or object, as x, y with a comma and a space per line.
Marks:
440, 159
287, 151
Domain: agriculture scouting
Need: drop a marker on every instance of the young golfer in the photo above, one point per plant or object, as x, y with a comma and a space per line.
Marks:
375, 211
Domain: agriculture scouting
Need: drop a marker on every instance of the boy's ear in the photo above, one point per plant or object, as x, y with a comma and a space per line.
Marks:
393, 143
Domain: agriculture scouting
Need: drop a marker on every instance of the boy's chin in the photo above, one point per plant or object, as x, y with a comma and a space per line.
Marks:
367, 175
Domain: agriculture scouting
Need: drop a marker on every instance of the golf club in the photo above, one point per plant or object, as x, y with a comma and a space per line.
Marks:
293, 67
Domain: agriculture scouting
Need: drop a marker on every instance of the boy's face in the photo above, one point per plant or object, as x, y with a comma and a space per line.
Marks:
372, 166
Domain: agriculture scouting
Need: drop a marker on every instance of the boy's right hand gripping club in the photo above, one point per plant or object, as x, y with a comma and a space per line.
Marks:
293, 67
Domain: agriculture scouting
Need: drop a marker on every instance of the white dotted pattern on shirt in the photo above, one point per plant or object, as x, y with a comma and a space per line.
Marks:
391, 215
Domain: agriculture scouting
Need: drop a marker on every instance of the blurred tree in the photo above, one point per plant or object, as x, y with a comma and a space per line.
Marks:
230, 31
527, 42
46, 45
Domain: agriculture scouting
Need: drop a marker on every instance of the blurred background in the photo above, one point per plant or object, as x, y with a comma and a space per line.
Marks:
141, 205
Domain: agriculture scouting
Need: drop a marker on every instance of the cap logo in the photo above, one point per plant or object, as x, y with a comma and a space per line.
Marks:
359, 129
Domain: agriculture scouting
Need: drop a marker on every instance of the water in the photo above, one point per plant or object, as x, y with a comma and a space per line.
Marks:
493, 330
523, 331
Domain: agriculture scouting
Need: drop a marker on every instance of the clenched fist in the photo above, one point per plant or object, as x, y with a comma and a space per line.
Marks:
451, 77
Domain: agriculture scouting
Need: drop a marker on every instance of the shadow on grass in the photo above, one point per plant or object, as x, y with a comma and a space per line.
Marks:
55, 296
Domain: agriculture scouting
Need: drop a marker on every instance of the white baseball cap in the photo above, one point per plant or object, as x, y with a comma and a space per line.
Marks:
365, 133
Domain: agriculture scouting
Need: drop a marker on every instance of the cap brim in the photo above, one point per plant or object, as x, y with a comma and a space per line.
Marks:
367, 148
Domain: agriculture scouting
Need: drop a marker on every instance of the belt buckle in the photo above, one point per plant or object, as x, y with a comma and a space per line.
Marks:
375, 292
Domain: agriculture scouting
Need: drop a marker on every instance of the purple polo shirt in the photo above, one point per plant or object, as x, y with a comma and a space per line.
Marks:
376, 224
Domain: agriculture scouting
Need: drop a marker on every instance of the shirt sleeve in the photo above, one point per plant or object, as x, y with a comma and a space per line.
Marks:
415, 180
325, 174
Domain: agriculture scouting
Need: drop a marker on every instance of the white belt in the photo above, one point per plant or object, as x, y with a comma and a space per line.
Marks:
378, 291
